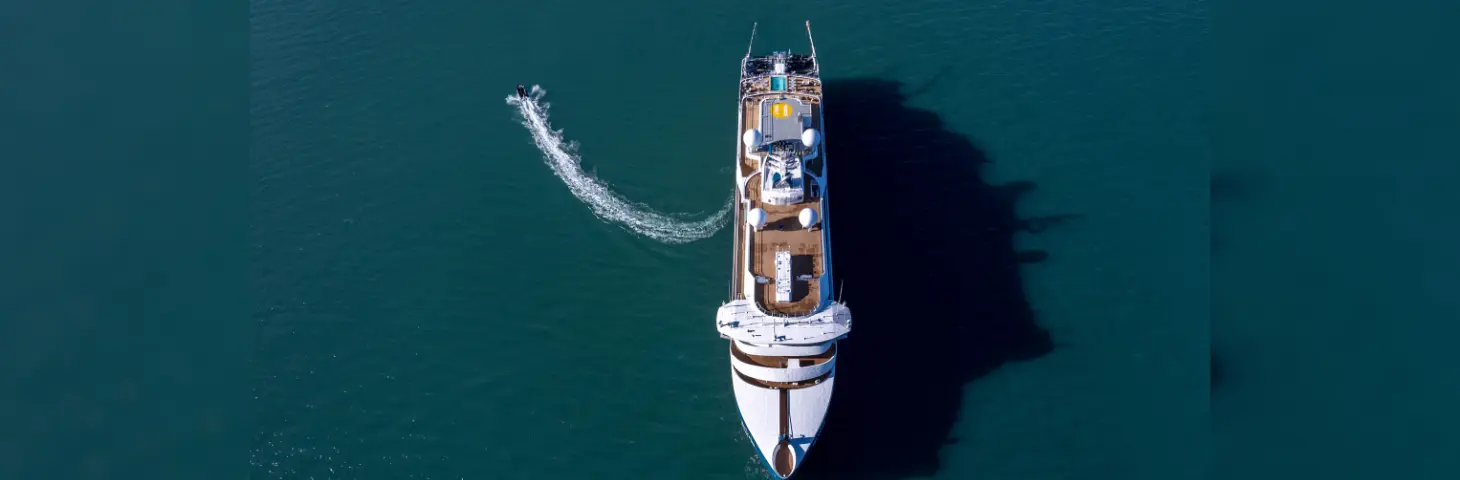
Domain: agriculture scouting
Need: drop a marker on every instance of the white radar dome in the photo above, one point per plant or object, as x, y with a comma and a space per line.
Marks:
751, 138
810, 136
807, 217
755, 218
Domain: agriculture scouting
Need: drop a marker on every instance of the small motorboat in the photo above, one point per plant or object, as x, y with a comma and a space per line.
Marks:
521, 91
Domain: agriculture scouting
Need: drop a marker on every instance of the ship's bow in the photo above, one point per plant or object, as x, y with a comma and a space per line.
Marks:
783, 393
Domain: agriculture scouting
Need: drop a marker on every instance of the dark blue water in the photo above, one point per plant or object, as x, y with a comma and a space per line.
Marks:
435, 303
1077, 191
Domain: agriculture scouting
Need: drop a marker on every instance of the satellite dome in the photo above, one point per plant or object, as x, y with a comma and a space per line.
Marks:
807, 216
751, 138
809, 137
755, 218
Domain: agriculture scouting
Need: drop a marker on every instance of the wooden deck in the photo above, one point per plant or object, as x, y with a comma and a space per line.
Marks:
808, 91
785, 458
749, 118
781, 385
782, 231
782, 362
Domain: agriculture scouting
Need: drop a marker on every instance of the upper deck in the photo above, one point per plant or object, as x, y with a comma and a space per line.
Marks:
779, 174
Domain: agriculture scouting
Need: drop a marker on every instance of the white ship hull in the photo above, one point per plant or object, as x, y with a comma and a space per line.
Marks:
783, 320
783, 424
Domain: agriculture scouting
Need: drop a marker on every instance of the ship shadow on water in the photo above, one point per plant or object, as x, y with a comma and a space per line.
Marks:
924, 250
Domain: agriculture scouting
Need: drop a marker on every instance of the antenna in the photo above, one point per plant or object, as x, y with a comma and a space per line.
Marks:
752, 39
808, 37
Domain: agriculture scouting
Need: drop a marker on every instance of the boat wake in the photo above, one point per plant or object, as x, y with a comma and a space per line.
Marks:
562, 157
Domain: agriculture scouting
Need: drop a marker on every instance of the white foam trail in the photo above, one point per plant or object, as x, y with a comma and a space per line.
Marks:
609, 206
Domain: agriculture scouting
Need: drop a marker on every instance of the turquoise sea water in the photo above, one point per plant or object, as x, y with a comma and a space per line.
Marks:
1018, 194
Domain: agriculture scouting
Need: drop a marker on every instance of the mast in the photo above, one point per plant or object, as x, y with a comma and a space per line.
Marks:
808, 37
752, 39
